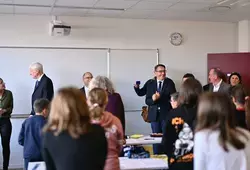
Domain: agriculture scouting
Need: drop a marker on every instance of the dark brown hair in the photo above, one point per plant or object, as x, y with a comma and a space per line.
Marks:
69, 112
189, 92
234, 74
220, 74
239, 94
188, 75
216, 112
160, 65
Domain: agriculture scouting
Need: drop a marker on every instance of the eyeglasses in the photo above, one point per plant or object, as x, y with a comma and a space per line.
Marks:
161, 71
88, 77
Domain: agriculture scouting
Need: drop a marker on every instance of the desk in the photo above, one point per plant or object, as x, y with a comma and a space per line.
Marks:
125, 164
142, 164
146, 140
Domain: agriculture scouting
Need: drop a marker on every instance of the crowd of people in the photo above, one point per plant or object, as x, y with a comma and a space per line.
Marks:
203, 127
206, 127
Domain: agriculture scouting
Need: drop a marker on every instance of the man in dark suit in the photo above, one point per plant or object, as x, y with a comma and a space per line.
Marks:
142, 91
206, 87
217, 83
86, 78
43, 87
158, 101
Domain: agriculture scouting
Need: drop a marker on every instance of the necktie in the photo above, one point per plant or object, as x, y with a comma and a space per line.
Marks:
37, 82
159, 87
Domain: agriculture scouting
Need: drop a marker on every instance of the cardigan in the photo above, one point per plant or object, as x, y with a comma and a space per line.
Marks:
6, 102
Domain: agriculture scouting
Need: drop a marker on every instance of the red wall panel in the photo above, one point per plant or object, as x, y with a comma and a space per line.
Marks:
232, 62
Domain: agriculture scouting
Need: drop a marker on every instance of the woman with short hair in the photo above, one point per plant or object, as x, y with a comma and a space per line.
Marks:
115, 104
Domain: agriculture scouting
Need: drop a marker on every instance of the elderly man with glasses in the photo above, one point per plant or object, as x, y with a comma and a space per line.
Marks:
86, 78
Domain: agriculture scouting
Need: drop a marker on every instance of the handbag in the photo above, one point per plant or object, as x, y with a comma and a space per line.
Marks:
144, 114
137, 152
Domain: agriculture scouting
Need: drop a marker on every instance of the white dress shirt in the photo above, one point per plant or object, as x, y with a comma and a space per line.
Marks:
210, 155
217, 86
39, 79
86, 91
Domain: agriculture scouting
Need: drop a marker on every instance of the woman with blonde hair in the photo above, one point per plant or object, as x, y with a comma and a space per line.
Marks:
219, 143
70, 140
97, 101
115, 104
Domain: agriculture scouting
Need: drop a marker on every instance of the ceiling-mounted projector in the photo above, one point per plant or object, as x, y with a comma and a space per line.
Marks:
58, 28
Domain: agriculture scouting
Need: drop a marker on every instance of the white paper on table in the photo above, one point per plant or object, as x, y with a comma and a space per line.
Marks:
37, 166
139, 164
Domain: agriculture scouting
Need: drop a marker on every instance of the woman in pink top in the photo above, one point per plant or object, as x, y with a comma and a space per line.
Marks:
97, 101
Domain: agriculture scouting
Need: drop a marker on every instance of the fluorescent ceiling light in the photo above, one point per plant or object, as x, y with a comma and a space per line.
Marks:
236, 2
245, 4
222, 2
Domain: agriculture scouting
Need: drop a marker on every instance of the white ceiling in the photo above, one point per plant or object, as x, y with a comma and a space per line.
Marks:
137, 9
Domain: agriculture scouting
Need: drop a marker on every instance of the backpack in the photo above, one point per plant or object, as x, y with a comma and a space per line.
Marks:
183, 145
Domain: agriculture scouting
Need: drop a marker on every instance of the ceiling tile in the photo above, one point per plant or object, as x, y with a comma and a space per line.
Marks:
6, 1
32, 10
34, 2
68, 12
6, 9
104, 13
192, 16
152, 5
138, 13
115, 4
77, 3
173, 1
201, 1
187, 6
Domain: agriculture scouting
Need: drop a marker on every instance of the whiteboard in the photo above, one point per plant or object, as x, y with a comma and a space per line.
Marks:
128, 66
65, 67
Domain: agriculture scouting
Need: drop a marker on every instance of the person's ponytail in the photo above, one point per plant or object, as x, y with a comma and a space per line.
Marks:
96, 111
98, 100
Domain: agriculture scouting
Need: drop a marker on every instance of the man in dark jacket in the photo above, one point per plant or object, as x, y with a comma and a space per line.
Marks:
43, 87
158, 101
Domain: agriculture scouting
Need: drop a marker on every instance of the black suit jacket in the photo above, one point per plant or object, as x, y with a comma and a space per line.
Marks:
143, 91
206, 87
83, 90
43, 90
163, 102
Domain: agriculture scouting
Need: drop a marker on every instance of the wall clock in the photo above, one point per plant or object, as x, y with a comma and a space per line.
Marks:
176, 39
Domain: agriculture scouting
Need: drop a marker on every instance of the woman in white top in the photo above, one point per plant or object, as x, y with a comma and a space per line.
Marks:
219, 144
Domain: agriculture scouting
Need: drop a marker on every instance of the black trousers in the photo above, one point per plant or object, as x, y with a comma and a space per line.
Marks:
5, 132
